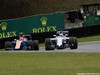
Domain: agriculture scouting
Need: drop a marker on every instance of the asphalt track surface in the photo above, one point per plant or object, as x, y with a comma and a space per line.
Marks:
82, 47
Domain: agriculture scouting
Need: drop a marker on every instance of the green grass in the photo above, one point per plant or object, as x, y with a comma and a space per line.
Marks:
89, 39
48, 63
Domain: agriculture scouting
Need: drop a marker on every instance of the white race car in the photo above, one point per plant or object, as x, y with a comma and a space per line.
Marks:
61, 41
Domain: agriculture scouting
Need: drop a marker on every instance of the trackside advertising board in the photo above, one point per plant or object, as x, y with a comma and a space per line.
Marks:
32, 24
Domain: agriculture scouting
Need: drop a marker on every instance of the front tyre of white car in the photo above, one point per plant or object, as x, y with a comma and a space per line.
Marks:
73, 43
48, 45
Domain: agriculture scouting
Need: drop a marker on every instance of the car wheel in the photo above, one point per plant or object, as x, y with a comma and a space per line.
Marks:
7, 45
30, 44
36, 45
48, 45
73, 43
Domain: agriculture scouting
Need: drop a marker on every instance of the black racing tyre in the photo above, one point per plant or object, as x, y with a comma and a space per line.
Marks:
30, 44
73, 43
48, 44
36, 45
7, 45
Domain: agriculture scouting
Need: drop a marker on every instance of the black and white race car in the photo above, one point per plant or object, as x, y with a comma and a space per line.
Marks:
61, 41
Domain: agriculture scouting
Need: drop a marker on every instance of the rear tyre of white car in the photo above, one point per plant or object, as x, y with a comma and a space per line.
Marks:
36, 45
48, 45
73, 43
7, 45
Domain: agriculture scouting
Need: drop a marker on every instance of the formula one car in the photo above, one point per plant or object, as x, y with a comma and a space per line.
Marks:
61, 41
22, 44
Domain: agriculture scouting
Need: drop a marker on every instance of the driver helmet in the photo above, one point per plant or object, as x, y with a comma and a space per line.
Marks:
21, 34
61, 33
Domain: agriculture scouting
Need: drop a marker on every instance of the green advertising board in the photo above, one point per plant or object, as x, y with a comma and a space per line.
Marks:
92, 20
31, 24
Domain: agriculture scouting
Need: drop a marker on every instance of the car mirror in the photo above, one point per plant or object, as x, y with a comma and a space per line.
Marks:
66, 34
15, 39
54, 35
